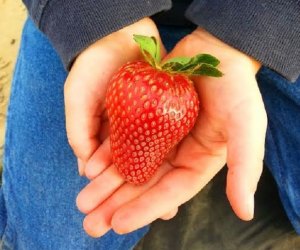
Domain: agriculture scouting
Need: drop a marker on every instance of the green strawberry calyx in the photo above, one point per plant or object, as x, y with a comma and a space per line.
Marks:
199, 65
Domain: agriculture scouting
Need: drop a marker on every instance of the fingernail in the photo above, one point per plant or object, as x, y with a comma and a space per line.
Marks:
80, 167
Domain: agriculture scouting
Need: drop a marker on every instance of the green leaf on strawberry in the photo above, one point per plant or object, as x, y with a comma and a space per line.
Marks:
179, 60
199, 65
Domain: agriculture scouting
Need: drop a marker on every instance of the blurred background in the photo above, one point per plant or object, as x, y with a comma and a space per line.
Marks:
12, 17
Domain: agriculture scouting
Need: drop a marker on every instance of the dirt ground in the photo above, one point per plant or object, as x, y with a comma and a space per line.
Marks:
12, 16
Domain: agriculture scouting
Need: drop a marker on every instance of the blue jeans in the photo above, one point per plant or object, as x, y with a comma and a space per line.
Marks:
282, 157
40, 179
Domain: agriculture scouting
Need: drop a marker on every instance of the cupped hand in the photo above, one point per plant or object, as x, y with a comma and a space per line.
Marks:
86, 86
230, 129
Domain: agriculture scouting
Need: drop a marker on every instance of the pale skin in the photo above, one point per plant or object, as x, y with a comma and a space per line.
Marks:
230, 129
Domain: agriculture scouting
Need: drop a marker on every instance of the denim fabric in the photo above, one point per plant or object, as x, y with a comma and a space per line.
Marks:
282, 102
40, 178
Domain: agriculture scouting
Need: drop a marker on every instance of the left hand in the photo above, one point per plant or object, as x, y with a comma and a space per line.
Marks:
86, 85
230, 128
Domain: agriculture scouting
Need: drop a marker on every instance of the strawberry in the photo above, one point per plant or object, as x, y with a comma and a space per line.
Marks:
151, 108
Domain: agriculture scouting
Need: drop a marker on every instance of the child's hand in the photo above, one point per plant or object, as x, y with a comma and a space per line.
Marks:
86, 85
231, 128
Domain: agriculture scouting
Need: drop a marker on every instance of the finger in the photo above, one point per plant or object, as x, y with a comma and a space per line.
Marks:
99, 161
175, 188
156, 202
99, 189
98, 222
246, 142
170, 215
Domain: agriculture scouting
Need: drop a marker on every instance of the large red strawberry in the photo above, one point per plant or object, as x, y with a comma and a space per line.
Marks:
151, 107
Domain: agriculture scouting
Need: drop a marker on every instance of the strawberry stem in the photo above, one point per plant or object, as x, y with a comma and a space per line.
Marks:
199, 65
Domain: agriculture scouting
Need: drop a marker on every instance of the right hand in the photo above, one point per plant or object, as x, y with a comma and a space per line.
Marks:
85, 89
